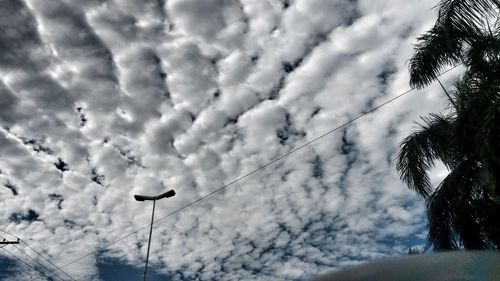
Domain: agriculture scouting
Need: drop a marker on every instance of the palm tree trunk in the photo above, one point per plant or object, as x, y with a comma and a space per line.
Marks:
448, 95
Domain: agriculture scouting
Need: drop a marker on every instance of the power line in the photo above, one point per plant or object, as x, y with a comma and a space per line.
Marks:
58, 268
38, 253
39, 263
255, 170
27, 264
9, 234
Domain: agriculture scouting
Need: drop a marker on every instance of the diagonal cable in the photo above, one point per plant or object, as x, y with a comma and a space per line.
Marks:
27, 264
38, 253
58, 268
39, 263
278, 158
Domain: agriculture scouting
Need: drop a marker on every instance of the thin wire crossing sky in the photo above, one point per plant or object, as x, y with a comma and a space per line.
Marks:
101, 100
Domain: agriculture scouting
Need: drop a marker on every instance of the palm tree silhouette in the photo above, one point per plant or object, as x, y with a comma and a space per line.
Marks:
460, 25
464, 210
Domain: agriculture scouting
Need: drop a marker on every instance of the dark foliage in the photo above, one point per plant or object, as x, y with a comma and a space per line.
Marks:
459, 26
464, 210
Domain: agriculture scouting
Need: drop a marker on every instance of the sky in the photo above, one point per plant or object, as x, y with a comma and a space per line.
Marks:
101, 100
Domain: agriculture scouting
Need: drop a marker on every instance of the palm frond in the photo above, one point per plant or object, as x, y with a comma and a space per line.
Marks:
467, 91
483, 57
440, 236
477, 122
419, 150
488, 133
434, 51
466, 218
490, 215
466, 15
452, 210
459, 24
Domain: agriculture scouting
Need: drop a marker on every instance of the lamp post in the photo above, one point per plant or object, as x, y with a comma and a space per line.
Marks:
167, 194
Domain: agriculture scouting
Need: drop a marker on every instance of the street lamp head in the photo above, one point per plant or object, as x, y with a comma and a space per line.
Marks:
167, 194
143, 197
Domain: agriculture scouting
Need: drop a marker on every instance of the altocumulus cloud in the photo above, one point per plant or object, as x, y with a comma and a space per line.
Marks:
100, 100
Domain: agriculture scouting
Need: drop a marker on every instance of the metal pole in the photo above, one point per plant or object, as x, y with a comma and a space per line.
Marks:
149, 242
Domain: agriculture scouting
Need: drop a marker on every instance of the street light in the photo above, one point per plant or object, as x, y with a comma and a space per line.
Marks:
167, 194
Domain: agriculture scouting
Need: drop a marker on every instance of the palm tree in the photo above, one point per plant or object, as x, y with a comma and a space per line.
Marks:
459, 25
464, 210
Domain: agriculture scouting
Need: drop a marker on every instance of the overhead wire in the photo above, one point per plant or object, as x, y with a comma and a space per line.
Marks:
58, 268
37, 262
42, 256
278, 158
27, 264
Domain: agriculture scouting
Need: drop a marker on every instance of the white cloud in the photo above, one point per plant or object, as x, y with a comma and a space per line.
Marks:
135, 97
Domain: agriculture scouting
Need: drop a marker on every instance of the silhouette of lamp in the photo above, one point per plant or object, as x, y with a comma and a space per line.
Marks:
167, 194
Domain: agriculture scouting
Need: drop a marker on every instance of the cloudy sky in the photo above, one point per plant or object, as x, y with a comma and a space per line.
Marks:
101, 100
